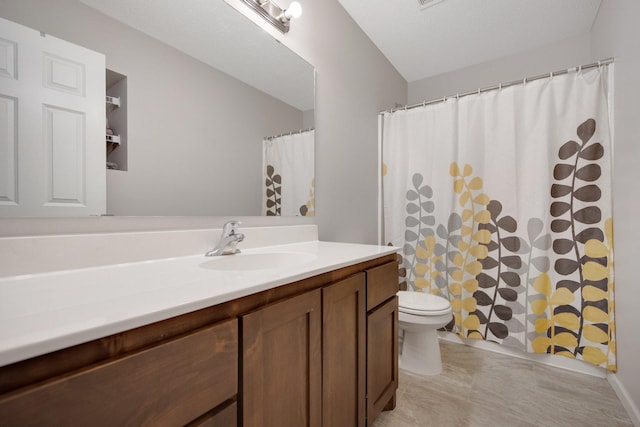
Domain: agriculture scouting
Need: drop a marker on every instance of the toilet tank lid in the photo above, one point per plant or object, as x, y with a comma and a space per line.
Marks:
421, 301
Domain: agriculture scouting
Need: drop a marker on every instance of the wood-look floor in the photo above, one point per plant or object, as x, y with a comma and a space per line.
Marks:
483, 388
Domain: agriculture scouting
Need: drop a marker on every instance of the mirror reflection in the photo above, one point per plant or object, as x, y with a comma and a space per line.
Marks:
211, 108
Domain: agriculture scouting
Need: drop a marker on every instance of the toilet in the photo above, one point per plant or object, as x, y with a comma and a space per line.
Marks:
420, 315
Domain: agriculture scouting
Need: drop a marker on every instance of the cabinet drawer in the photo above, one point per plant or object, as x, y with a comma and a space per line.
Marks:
169, 384
382, 284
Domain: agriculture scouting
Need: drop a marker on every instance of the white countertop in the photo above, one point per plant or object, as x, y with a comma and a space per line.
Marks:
40, 313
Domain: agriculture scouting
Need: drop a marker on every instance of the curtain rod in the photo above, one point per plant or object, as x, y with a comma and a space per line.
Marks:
502, 85
269, 138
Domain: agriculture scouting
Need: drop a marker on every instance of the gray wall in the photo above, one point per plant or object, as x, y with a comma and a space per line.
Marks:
194, 133
354, 82
557, 56
616, 33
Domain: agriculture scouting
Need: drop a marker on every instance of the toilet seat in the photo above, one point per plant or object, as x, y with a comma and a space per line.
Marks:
422, 304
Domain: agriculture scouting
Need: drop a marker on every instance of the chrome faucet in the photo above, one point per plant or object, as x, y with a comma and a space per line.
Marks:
228, 240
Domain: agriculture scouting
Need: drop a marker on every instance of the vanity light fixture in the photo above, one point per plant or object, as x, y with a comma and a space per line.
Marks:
274, 14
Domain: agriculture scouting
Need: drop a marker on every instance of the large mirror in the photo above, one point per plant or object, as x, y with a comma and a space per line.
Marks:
206, 94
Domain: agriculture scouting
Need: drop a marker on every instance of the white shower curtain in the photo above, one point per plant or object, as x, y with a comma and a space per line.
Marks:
288, 172
501, 202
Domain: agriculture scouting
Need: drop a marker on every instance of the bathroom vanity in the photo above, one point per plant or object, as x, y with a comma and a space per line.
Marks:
313, 344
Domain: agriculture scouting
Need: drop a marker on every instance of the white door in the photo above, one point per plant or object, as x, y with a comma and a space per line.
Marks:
52, 126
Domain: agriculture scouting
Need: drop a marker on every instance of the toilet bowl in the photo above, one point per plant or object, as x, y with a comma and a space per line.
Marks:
420, 315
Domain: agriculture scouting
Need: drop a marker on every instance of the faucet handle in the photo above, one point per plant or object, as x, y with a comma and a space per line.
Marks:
230, 227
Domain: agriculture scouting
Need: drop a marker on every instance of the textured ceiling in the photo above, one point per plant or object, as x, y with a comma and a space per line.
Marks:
454, 34
216, 34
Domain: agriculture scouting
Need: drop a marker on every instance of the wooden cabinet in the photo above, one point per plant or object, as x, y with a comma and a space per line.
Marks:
281, 363
317, 352
168, 384
344, 352
382, 339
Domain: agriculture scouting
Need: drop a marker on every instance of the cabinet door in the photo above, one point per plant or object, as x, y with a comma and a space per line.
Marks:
166, 385
344, 353
382, 358
281, 363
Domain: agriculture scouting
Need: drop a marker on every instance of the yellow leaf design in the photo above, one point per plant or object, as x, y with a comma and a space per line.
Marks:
422, 253
561, 296
542, 284
542, 324
470, 285
482, 236
466, 214
567, 320
466, 230
608, 231
469, 304
467, 170
538, 306
471, 322
475, 335
540, 344
463, 246
457, 317
566, 354
456, 304
457, 275
592, 294
475, 183
456, 289
454, 170
593, 355
474, 268
479, 251
458, 186
464, 198
420, 282
420, 269
595, 334
458, 260
595, 272
430, 242
384, 169
482, 217
482, 199
595, 315
566, 339
595, 249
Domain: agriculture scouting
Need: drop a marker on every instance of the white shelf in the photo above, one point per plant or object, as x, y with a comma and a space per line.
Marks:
113, 100
115, 139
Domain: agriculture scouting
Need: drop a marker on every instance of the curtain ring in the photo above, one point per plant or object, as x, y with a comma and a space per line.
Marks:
478, 91
457, 96
500, 86
580, 68
524, 81
599, 64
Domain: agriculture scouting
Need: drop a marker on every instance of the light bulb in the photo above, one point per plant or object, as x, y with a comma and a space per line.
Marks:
293, 11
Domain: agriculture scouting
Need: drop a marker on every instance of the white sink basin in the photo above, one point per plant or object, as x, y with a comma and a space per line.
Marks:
257, 261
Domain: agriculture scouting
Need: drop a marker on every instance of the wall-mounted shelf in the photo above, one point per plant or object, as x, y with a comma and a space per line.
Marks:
116, 109
113, 139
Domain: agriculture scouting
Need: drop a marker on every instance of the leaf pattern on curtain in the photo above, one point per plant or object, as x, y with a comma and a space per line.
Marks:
273, 192
491, 274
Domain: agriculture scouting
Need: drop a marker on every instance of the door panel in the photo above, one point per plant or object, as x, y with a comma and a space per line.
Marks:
52, 125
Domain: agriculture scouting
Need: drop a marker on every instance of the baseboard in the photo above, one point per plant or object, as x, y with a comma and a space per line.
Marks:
545, 359
625, 399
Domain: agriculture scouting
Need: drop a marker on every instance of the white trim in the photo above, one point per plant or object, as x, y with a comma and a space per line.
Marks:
380, 201
625, 399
